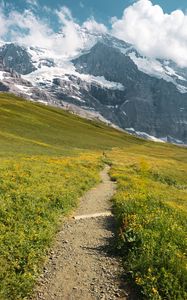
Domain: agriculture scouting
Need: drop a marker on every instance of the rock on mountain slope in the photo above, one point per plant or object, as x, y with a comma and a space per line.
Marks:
16, 58
107, 79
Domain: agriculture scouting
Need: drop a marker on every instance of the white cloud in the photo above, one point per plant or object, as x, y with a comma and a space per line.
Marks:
32, 2
94, 27
28, 29
70, 32
153, 32
73, 37
64, 15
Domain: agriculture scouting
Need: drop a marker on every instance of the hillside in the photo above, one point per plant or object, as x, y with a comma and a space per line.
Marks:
49, 158
32, 128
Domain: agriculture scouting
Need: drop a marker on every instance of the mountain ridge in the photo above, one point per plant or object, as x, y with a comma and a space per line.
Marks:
108, 78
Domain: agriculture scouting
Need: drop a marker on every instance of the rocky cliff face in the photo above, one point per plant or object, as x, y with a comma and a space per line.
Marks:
111, 80
147, 104
16, 58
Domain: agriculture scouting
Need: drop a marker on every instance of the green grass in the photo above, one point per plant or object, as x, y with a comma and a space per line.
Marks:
151, 208
49, 158
34, 193
27, 128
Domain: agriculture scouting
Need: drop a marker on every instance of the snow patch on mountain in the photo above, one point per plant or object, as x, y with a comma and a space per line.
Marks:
182, 88
171, 72
150, 66
62, 69
155, 68
144, 135
2, 75
24, 89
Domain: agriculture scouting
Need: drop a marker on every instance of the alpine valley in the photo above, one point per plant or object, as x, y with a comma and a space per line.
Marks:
108, 79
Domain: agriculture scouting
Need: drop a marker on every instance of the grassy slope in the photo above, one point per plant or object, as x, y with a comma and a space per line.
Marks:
30, 128
49, 158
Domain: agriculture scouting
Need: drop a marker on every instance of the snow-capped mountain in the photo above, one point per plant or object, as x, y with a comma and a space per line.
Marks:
106, 78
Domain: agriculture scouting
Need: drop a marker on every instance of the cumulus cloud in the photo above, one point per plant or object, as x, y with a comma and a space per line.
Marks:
153, 32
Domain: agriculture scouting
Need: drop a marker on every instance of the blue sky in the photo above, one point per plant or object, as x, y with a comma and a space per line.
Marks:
101, 10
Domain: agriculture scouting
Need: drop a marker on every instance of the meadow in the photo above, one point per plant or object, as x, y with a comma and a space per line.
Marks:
49, 158
151, 210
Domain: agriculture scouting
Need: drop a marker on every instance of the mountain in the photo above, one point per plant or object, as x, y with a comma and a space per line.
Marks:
108, 79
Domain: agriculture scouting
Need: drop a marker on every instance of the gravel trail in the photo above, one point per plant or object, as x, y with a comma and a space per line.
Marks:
81, 266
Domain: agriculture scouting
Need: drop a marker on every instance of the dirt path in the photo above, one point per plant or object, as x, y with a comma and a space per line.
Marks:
80, 266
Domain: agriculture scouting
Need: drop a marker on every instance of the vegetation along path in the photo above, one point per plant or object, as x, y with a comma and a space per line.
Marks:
80, 266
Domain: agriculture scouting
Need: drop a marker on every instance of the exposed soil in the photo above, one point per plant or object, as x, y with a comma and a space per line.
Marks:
81, 265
